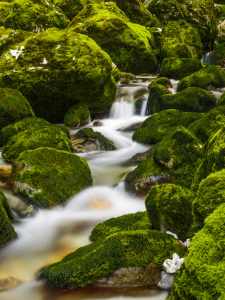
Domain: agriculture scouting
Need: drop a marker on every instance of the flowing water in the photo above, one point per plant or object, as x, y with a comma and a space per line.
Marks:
48, 235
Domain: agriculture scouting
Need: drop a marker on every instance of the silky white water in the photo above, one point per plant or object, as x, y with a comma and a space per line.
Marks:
49, 235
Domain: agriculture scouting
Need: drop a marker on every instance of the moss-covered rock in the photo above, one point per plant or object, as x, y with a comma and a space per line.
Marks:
201, 275
208, 124
221, 100
163, 81
180, 40
169, 208
155, 127
46, 177
200, 14
77, 115
57, 69
7, 232
156, 92
129, 45
137, 221
177, 68
5, 10
190, 99
70, 7
208, 78
13, 107
35, 16
120, 250
218, 54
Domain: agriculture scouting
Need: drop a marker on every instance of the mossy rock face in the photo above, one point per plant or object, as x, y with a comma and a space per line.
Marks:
156, 92
190, 99
192, 12
169, 208
120, 250
221, 100
208, 78
35, 16
155, 127
46, 177
177, 68
180, 40
7, 232
77, 115
129, 45
35, 137
208, 124
10, 37
5, 10
137, 221
13, 107
163, 81
201, 275
218, 54
57, 69
70, 8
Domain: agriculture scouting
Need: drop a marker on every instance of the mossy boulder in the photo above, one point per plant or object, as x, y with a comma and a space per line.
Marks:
77, 115
5, 10
155, 127
70, 8
120, 250
169, 208
156, 92
192, 12
208, 78
178, 68
163, 81
35, 16
208, 124
7, 232
180, 40
129, 45
190, 99
221, 100
57, 69
46, 177
201, 275
137, 221
218, 55
13, 107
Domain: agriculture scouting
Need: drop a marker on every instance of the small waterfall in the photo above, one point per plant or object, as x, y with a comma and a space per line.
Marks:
143, 108
207, 58
122, 109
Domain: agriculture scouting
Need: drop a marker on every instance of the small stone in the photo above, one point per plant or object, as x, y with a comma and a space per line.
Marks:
166, 281
97, 123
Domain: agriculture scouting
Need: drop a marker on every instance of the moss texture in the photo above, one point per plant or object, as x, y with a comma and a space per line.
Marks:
178, 68
180, 40
13, 107
120, 250
5, 10
201, 276
208, 78
156, 92
77, 115
46, 177
163, 81
190, 99
129, 45
7, 232
155, 127
169, 207
70, 8
58, 69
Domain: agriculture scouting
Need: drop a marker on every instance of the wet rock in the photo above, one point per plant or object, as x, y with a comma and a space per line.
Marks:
97, 123
9, 283
130, 128
166, 281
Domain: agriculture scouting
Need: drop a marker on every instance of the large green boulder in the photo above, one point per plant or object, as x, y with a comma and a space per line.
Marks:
180, 40
210, 78
177, 68
169, 208
46, 177
190, 99
7, 232
129, 45
98, 260
191, 11
156, 92
201, 275
57, 69
35, 16
155, 127
13, 107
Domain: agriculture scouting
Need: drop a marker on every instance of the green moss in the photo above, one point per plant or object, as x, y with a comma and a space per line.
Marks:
169, 207
209, 78
190, 99
5, 10
201, 275
77, 115
155, 127
46, 176
120, 250
163, 81
70, 7
7, 232
116, 74
137, 221
208, 124
218, 54
156, 92
177, 68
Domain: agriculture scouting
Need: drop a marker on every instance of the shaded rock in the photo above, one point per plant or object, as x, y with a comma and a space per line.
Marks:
77, 115
166, 281
97, 123
156, 93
